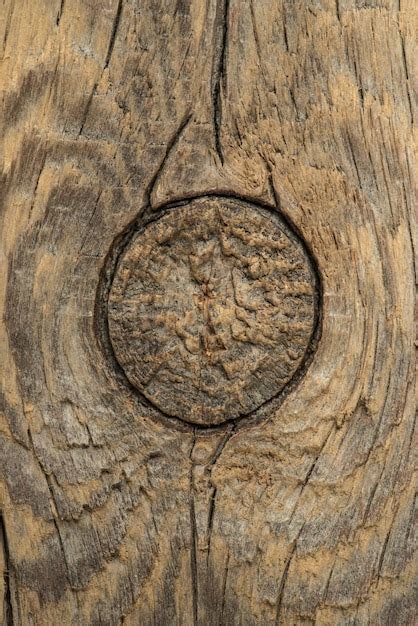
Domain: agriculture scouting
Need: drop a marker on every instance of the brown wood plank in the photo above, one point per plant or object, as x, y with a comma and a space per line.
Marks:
111, 514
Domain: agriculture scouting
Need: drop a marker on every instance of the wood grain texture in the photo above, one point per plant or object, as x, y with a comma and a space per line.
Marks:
109, 111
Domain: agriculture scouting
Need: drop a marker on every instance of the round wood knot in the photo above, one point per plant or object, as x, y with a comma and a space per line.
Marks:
212, 309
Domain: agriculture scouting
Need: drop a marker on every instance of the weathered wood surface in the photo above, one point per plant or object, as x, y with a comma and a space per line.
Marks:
109, 514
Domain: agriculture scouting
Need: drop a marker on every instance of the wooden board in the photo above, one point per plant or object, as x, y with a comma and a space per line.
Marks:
113, 513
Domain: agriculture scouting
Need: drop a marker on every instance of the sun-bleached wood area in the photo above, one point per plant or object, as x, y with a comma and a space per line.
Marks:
114, 510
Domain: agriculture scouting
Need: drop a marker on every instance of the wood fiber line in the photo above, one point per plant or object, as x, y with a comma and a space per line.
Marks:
7, 614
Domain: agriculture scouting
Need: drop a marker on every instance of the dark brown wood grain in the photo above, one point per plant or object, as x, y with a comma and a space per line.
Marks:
113, 513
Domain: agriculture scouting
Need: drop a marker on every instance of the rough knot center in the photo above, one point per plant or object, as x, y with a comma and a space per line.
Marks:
211, 309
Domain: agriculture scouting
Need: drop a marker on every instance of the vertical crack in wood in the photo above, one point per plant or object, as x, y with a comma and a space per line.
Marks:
53, 503
60, 12
171, 144
55, 522
219, 70
111, 45
41, 169
212, 503
313, 465
411, 234
326, 588
255, 31
210, 518
283, 581
285, 37
193, 537
7, 599
87, 109
386, 541
353, 157
115, 27
7, 28
224, 586
371, 496
337, 10
405, 65
197, 568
